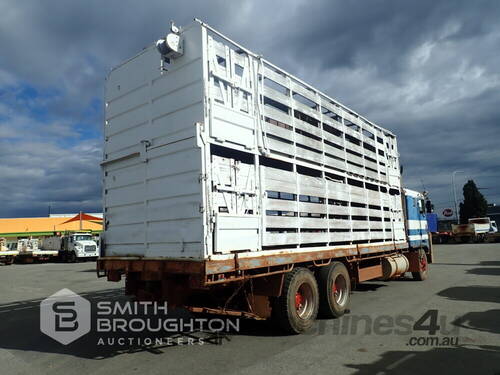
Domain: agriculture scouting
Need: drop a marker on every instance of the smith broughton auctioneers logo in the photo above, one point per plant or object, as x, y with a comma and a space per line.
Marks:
65, 316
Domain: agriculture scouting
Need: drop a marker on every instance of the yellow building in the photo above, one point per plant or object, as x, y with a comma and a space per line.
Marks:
48, 226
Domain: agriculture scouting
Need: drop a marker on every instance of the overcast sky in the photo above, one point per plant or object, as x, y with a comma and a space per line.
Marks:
427, 70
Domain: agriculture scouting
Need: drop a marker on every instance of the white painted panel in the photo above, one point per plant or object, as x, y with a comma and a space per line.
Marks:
312, 207
281, 222
277, 131
316, 237
338, 210
308, 222
339, 224
280, 205
233, 126
273, 239
237, 233
340, 236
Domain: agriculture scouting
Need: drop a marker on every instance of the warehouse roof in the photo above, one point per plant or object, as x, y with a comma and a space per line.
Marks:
39, 226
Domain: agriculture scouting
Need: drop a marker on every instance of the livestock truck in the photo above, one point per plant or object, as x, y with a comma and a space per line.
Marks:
72, 246
233, 187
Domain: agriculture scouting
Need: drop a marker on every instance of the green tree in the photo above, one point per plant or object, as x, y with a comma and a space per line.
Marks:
474, 204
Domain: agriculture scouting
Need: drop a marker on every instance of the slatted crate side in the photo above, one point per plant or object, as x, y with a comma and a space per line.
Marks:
376, 236
280, 238
338, 191
285, 222
308, 128
373, 197
370, 153
353, 147
360, 224
303, 90
359, 211
375, 213
281, 205
334, 163
273, 183
376, 225
313, 208
309, 142
329, 151
354, 158
360, 171
307, 110
278, 115
280, 78
370, 164
339, 224
308, 155
277, 131
360, 236
340, 236
280, 145
315, 237
313, 223
335, 145
313, 186
371, 174
278, 96
358, 194
338, 210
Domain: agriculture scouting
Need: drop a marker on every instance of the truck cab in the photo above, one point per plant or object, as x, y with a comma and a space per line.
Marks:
416, 220
79, 245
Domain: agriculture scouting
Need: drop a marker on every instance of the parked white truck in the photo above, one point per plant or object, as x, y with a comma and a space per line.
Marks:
476, 230
29, 250
231, 186
7, 255
72, 247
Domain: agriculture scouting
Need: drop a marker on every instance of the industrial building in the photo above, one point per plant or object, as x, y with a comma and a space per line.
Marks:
34, 227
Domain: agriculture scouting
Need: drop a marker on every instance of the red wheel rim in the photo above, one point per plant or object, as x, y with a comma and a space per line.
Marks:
304, 301
339, 289
423, 263
298, 300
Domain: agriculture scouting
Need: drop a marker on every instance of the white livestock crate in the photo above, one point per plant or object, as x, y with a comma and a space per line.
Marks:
216, 150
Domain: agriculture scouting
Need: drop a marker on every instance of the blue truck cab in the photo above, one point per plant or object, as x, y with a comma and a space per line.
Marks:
416, 220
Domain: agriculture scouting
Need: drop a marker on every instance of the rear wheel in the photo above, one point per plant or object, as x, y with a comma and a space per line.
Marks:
297, 307
334, 290
424, 266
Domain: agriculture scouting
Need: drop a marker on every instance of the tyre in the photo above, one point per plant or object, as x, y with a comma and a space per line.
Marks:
424, 267
334, 286
297, 307
71, 257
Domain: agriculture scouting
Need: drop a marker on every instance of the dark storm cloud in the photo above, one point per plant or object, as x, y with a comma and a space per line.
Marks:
427, 70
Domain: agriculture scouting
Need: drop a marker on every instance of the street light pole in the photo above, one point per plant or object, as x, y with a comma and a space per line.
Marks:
455, 193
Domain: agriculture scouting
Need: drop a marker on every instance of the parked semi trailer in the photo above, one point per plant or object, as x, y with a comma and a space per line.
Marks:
233, 187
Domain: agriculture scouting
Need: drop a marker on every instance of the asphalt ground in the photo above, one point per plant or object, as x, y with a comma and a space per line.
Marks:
448, 324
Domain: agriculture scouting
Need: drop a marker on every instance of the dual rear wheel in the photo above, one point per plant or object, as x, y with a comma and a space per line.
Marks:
305, 294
